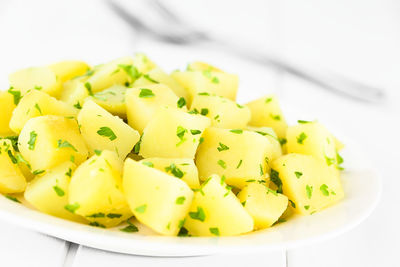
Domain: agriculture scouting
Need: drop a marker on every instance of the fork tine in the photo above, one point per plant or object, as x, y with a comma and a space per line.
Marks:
165, 11
128, 17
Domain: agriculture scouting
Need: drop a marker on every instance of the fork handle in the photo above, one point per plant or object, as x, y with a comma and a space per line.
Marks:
329, 81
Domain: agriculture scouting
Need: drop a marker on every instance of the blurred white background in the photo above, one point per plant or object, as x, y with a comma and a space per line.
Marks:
359, 39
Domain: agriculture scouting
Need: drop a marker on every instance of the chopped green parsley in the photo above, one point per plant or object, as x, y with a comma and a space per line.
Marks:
146, 93
32, 140
107, 132
198, 215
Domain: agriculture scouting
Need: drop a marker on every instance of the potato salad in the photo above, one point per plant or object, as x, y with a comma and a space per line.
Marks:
124, 142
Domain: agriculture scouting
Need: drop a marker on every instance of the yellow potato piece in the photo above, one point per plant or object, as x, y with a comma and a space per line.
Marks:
266, 111
236, 154
95, 191
223, 112
11, 178
35, 104
142, 63
183, 169
172, 133
109, 74
216, 211
143, 102
48, 141
66, 70
158, 76
263, 204
36, 78
49, 193
7, 106
312, 138
272, 138
103, 131
307, 181
209, 81
112, 99
157, 200
74, 93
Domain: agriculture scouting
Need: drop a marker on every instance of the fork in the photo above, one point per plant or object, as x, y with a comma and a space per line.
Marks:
160, 23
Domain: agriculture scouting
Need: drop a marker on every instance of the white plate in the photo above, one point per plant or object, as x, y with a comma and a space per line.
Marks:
362, 187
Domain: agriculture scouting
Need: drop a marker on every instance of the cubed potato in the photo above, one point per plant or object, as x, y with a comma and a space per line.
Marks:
143, 102
74, 93
184, 169
209, 81
223, 112
236, 154
202, 66
95, 191
142, 63
158, 76
216, 211
36, 103
36, 78
338, 144
266, 111
48, 141
112, 99
157, 200
11, 178
66, 70
118, 71
26, 168
263, 204
172, 133
7, 105
49, 193
312, 138
307, 181
103, 131
272, 138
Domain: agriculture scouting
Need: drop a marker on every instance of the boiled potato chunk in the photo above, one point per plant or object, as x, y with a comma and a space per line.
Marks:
103, 131
236, 154
263, 204
7, 106
157, 200
156, 76
49, 193
183, 169
118, 71
112, 100
223, 112
36, 103
74, 93
216, 211
312, 138
266, 111
338, 144
95, 191
172, 133
143, 102
307, 181
209, 81
36, 78
66, 70
202, 66
48, 141
142, 63
11, 178
272, 138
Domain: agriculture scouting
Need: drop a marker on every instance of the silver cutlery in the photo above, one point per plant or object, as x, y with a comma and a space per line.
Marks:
160, 23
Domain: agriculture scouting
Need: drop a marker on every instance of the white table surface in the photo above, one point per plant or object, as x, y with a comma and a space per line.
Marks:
358, 38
